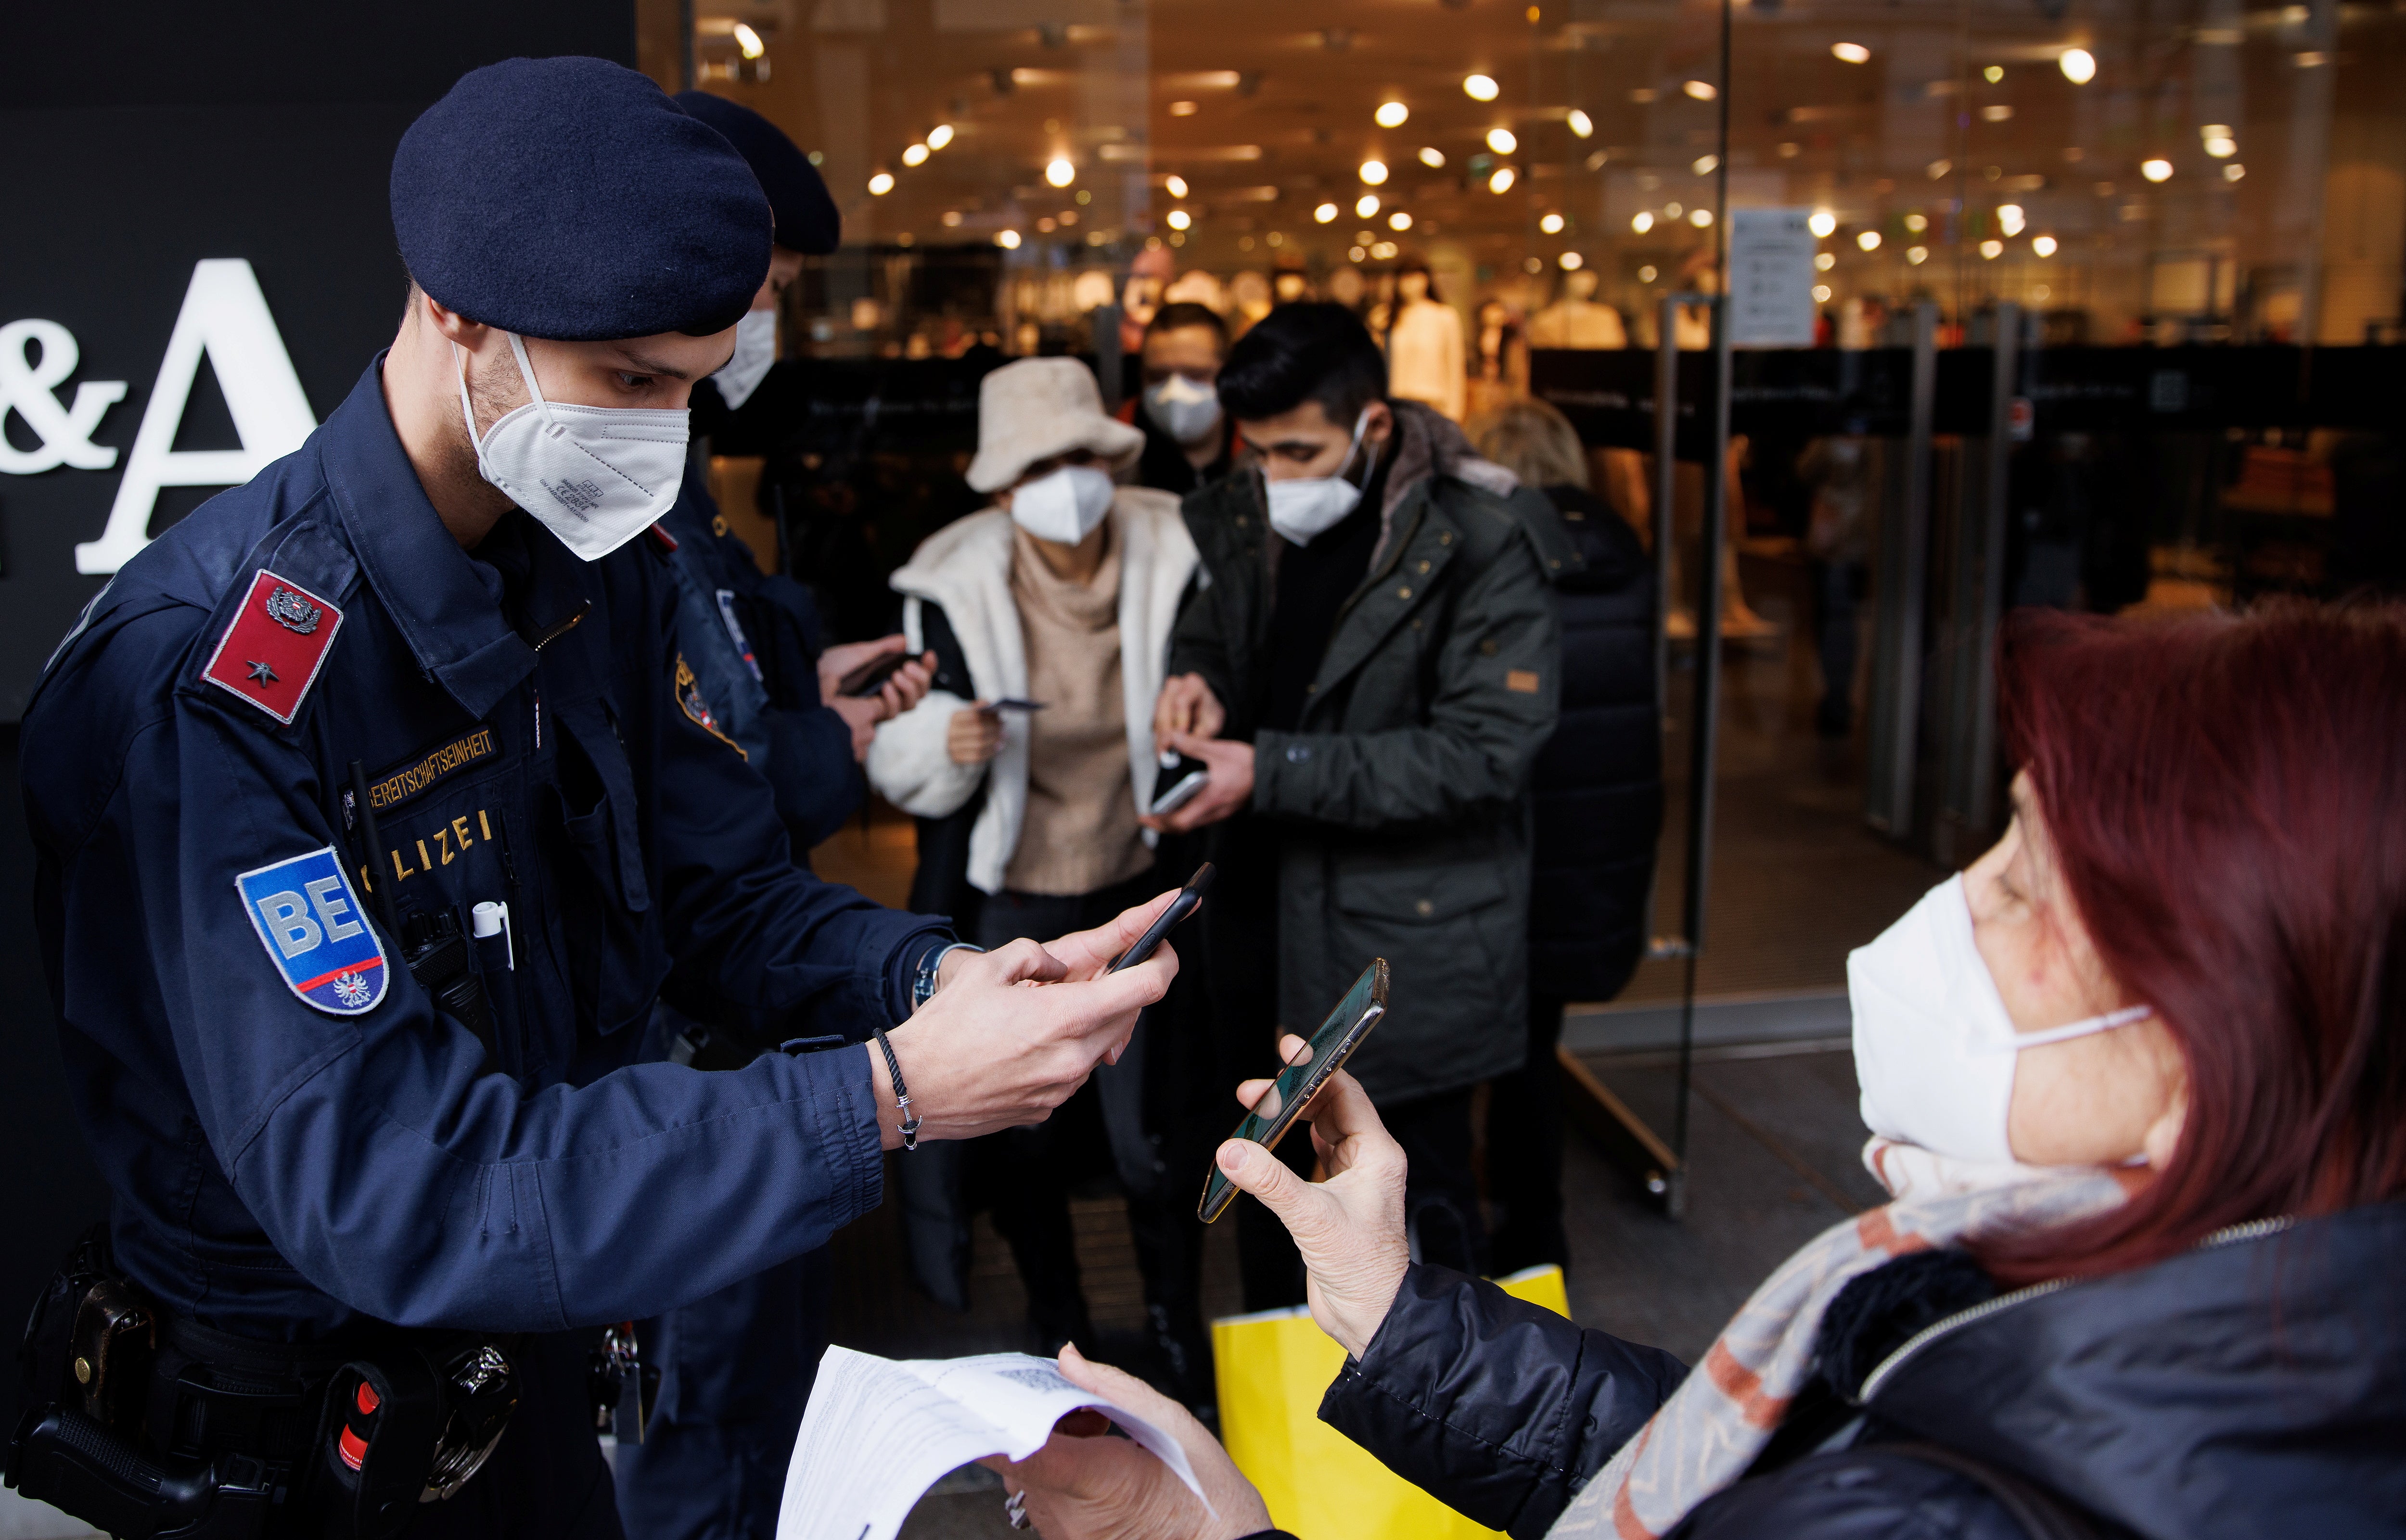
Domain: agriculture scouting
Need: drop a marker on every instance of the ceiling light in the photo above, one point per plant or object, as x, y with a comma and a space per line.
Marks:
1364, 237
1917, 255
1703, 91
1993, 250
1917, 222
1325, 214
1357, 252
1993, 74
1672, 211
749, 41
1853, 53
2222, 147
1399, 220
1824, 261
1391, 114
1580, 123
1007, 239
1551, 224
1646, 274
1501, 141
1365, 205
1502, 181
1174, 185
1869, 240
1184, 110
1178, 218
2079, 65
2042, 245
1938, 169
916, 155
1821, 293
1480, 88
881, 184
1700, 217
1060, 173
1596, 161
1996, 112
952, 218
1703, 165
1823, 223
939, 136
1641, 221
2232, 172
1432, 157
1374, 172
2157, 170
1571, 261
2009, 218
1383, 250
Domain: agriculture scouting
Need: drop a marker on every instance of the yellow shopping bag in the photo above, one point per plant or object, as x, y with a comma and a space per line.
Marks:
1273, 1369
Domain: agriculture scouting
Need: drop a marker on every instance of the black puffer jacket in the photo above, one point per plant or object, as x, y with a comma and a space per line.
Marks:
2253, 1387
1597, 786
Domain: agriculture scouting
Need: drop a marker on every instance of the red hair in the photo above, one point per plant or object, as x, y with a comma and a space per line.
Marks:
2226, 796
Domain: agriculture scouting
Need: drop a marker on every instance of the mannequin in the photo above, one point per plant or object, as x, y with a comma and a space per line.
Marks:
1424, 352
1576, 321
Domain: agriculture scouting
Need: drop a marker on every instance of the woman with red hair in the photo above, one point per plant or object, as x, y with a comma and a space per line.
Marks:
2137, 1083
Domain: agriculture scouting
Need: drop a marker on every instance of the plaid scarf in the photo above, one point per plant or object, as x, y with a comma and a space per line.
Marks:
1710, 1430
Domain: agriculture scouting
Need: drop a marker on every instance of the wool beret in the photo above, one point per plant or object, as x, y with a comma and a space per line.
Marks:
570, 199
807, 220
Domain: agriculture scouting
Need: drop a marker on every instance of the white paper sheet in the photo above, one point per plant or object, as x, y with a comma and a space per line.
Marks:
880, 1431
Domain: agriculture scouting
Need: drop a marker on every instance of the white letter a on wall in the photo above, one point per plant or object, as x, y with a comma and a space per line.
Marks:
225, 314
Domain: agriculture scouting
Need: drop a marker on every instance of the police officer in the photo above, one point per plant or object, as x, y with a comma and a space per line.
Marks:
372, 801
736, 1366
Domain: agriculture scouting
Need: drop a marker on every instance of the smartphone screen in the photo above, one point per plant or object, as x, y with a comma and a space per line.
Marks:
1330, 1047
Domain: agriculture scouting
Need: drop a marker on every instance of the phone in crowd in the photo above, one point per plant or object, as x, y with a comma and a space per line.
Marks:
1167, 921
1180, 779
866, 679
1297, 1083
996, 708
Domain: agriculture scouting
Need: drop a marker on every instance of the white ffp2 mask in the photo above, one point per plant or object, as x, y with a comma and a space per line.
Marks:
1303, 507
1186, 411
755, 350
1064, 505
1934, 1050
596, 476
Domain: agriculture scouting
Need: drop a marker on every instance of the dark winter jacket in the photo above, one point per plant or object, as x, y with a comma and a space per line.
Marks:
2252, 1386
1597, 787
1401, 801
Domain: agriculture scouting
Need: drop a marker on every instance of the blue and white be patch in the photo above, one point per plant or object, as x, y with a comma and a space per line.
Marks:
308, 917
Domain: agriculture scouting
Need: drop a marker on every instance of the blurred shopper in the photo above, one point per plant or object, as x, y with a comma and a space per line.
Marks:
1188, 441
1597, 789
1026, 765
1369, 675
1424, 342
1842, 469
736, 1367
2133, 1080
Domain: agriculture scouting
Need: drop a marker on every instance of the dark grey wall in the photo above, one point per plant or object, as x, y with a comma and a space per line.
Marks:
139, 141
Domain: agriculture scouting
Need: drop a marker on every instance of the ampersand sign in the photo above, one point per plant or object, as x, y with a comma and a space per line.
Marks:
25, 386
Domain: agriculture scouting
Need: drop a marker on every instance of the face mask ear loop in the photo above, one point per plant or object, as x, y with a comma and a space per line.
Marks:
1361, 425
467, 408
526, 373
2069, 1030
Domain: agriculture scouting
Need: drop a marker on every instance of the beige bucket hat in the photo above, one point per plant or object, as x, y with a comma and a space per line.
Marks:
1034, 409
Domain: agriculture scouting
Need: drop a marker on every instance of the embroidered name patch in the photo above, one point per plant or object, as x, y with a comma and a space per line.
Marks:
271, 654
308, 917
396, 787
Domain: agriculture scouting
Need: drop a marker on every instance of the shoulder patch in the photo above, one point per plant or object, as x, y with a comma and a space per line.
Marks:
271, 653
690, 700
308, 918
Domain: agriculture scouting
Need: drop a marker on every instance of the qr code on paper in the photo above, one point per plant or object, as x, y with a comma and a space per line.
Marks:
1037, 1378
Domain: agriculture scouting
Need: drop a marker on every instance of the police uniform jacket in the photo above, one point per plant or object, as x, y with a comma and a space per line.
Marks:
290, 1149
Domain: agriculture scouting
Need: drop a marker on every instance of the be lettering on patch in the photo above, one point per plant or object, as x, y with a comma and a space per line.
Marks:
308, 917
271, 654
1521, 681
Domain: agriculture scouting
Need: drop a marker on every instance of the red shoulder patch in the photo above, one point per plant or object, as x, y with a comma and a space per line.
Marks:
667, 541
271, 654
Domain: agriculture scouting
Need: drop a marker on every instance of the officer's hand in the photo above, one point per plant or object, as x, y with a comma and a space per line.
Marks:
1229, 790
991, 1051
974, 736
1187, 705
837, 661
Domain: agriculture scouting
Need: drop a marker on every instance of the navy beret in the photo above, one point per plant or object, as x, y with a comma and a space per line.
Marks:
807, 220
570, 199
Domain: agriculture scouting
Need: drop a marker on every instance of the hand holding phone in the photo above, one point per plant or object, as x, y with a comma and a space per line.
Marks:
1338, 1035
870, 676
1180, 779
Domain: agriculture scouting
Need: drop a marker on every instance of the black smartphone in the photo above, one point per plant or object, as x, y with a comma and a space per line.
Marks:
1297, 1083
866, 679
1180, 779
996, 708
1167, 921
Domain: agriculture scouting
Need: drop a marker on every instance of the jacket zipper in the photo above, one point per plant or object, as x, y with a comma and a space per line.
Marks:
2255, 1229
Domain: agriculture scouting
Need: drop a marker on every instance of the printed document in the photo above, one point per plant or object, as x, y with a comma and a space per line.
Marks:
880, 1431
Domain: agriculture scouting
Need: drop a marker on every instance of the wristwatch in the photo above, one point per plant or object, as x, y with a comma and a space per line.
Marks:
929, 976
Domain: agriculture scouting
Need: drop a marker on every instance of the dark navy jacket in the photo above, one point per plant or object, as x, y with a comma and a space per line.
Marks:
277, 1169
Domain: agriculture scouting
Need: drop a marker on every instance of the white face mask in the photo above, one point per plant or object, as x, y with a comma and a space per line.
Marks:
755, 350
1186, 411
1934, 1050
1064, 505
596, 476
1305, 506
